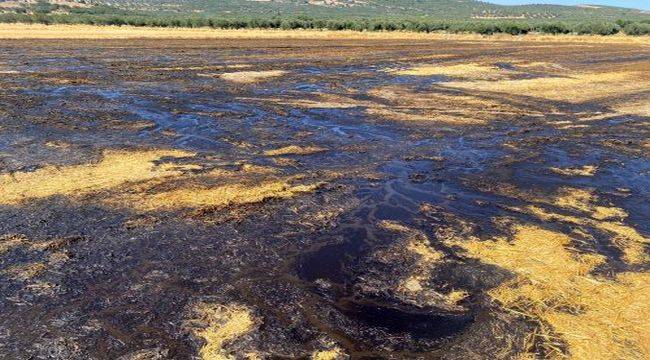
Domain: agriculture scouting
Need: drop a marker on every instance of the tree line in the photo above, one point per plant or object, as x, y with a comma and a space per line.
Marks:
629, 27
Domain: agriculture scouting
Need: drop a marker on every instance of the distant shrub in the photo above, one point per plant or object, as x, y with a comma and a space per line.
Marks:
623, 22
438, 26
44, 7
637, 29
360, 26
483, 28
473, 27
513, 28
596, 28
104, 15
553, 28
287, 25
43, 19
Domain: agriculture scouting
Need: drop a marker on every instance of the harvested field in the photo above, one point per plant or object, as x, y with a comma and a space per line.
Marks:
318, 195
79, 31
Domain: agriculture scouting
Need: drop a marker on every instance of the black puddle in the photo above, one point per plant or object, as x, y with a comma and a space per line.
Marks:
422, 325
329, 262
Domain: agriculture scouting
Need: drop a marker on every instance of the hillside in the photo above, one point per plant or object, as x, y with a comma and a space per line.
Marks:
439, 9
430, 9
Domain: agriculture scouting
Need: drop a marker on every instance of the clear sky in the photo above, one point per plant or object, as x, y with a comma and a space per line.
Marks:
637, 4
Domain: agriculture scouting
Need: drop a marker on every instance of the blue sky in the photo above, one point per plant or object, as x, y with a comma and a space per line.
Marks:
637, 4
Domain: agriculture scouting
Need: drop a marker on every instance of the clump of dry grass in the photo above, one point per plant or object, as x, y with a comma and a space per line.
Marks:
10, 241
295, 150
26, 271
332, 354
641, 108
249, 77
596, 317
57, 259
626, 107
66, 81
257, 169
626, 238
54, 243
57, 144
604, 218
427, 254
469, 70
588, 213
194, 196
144, 180
575, 88
585, 200
537, 65
203, 67
587, 170
417, 242
459, 109
114, 169
219, 325
456, 296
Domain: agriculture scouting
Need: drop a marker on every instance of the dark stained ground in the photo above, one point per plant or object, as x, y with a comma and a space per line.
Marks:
323, 268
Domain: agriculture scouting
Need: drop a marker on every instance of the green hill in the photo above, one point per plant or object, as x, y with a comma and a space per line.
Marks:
435, 9
413, 15
431, 9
